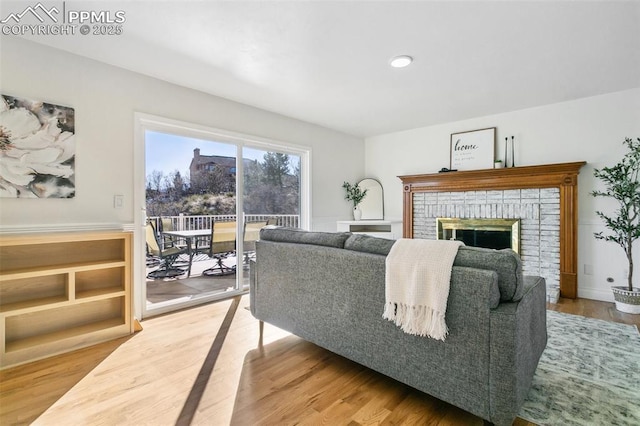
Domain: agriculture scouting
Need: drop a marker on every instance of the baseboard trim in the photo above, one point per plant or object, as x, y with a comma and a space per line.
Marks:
595, 294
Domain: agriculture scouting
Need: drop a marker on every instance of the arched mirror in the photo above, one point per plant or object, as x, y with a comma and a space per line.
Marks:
372, 205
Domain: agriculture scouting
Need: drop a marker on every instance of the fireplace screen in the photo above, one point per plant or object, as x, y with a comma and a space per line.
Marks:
489, 233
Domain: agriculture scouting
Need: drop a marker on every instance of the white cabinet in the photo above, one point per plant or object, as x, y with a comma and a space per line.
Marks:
61, 292
376, 228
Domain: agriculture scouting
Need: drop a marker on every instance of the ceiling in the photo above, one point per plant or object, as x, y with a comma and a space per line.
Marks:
326, 62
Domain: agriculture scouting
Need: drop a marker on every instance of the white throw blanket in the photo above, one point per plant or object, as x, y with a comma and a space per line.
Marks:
418, 273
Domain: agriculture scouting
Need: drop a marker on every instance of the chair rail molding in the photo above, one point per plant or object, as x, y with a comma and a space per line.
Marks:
65, 227
563, 176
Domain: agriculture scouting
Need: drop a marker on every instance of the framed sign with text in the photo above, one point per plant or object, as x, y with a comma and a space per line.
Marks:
473, 150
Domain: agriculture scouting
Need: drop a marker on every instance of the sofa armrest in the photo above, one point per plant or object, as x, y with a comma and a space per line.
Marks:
518, 338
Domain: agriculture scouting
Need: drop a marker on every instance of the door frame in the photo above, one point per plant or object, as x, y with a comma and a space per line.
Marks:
144, 122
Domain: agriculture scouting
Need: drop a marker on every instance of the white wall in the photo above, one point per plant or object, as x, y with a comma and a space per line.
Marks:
590, 129
105, 99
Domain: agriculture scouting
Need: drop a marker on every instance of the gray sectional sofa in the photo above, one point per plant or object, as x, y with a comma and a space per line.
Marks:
328, 288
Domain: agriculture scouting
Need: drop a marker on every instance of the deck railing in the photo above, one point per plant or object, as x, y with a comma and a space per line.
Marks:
187, 222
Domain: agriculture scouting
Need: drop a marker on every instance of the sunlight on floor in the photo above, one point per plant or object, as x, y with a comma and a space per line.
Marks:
147, 378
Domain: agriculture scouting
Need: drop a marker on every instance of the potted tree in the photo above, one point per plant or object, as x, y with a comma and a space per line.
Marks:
621, 183
355, 194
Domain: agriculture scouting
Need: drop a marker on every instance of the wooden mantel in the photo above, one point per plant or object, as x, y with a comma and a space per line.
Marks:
563, 176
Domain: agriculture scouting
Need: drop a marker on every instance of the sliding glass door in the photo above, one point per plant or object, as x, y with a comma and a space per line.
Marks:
206, 196
272, 194
191, 209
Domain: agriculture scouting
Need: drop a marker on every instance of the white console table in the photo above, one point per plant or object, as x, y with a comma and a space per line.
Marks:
376, 228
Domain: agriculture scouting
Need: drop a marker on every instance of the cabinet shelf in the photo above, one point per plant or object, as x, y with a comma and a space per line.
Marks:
31, 305
61, 292
99, 293
39, 271
375, 228
57, 336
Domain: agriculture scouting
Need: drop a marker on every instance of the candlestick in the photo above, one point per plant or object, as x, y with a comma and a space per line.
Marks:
513, 155
506, 144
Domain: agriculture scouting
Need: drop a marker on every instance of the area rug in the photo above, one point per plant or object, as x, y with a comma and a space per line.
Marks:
589, 374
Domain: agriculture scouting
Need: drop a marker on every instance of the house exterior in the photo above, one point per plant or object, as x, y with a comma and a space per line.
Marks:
208, 163
224, 167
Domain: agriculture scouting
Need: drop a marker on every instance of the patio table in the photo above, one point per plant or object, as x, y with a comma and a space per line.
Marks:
190, 235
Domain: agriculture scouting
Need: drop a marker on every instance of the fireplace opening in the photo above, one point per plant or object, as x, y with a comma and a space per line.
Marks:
488, 233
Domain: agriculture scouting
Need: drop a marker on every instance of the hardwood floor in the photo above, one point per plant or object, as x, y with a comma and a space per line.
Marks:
594, 309
205, 366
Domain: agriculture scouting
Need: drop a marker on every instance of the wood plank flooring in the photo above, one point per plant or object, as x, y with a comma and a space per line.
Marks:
205, 366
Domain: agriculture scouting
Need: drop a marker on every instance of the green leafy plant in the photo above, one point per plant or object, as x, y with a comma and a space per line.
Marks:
621, 184
354, 193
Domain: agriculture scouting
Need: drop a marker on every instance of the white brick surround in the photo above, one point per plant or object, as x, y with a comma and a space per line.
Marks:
537, 209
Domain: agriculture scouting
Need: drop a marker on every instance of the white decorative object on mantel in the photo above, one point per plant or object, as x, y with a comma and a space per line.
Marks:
357, 213
389, 229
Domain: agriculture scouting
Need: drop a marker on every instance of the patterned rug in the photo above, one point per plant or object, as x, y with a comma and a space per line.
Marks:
589, 374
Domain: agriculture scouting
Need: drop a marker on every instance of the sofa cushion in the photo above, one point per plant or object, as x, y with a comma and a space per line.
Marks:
505, 262
368, 244
300, 236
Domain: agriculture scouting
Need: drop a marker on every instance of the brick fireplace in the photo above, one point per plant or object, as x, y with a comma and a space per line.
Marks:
538, 211
544, 198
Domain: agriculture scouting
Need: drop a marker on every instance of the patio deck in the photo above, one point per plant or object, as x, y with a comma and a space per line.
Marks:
172, 290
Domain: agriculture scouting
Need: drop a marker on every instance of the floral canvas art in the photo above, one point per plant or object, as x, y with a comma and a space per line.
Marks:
37, 149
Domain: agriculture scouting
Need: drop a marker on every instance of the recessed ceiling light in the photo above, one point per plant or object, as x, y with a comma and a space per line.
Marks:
400, 61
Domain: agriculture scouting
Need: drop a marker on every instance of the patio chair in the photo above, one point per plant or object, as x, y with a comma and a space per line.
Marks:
166, 224
251, 235
223, 245
168, 241
166, 256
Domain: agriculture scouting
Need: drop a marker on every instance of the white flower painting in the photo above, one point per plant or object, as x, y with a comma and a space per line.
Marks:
37, 149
